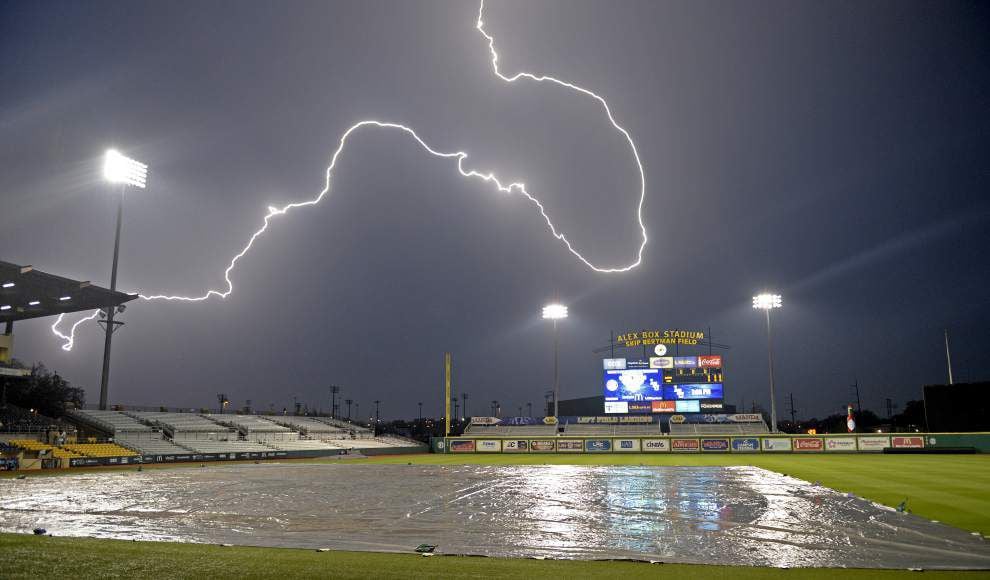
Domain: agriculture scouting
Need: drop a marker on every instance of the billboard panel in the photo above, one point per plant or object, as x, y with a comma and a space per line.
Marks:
663, 407
693, 391
687, 406
613, 364
597, 445
776, 444
488, 445
626, 445
873, 443
515, 445
686, 445
907, 442
745, 444
685, 362
612, 407
710, 361
570, 445
661, 362
633, 385
641, 406
462, 446
715, 444
808, 444
542, 445
656, 445
840, 444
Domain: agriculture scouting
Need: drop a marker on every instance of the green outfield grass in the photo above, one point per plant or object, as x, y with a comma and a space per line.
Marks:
29, 557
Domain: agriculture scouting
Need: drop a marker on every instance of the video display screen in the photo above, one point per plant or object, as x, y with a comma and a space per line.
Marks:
633, 385
692, 391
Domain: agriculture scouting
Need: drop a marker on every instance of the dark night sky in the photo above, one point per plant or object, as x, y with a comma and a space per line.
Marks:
835, 152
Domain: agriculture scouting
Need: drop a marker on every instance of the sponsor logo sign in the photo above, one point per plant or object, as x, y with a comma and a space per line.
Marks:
614, 364
597, 445
667, 337
677, 418
687, 406
907, 442
612, 419
661, 362
660, 349
685, 362
710, 361
663, 406
515, 445
570, 445
549, 420
684, 444
873, 443
744, 444
485, 420
746, 418
641, 406
488, 445
715, 444
711, 404
656, 445
462, 446
808, 444
627, 445
776, 444
840, 444
541, 445
616, 407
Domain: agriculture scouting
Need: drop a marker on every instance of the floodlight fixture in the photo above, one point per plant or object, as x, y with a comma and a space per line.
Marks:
767, 301
554, 311
118, 168
8, 284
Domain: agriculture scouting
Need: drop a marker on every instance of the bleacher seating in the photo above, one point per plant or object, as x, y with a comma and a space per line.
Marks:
301, 445
128, 431
308, 425
511, 430
255, 428
109, 421
43, 448
234, 446
346, 426
182, 426
151, 443
99, 449
719, 428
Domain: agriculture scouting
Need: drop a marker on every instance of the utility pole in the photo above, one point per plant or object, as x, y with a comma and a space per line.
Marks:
223, 401
348, 403
420, 410
357, 410
529, 408
377, 419
793, 421
456, 407
859, 407
464, 411
334, 389
948, 357
890, 407
520, 410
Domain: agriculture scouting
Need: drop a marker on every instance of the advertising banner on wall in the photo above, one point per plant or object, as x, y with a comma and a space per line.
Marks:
462, 446
640, 406
663, 406
684, 445
656, 445
542, 445
515, 445
744, 418
661, 362
685, 362
808, 444
692, 391
687, 406
614, 364
715, 444
710, 361
907, 442
488, 445
635, 419
745, 444
485, 420
597, 445
776, 444
840, 444
626, 445
570, 445
873, 443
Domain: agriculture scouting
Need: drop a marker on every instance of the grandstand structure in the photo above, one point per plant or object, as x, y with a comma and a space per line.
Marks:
609, 429
753, 428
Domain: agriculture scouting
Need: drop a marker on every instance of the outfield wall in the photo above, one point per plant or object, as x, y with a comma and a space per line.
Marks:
713, 444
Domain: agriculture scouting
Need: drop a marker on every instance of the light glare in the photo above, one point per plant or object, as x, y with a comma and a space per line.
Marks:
555, 311
8, 284
767, 301
120, 169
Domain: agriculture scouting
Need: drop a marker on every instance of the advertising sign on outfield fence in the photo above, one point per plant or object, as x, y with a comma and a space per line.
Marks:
776, 444
626, 445
808, 444
684, 444
488, 445
462, 446
570, 445
715, 444
515, 445
840, 444
541, 445
597, 445
745, 444
656, 445
907, 442
873, 443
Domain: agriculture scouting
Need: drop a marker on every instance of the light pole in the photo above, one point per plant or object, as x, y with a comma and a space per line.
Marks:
420, 410
124, 172
555, 312
334, 389
768, 302
348, 402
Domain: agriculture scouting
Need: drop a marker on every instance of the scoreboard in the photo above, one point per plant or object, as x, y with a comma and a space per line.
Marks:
682, 384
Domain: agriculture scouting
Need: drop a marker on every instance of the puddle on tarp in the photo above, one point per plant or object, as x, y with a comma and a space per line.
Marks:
705, 515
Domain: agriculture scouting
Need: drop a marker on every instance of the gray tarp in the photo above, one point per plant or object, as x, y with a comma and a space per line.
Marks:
706, 515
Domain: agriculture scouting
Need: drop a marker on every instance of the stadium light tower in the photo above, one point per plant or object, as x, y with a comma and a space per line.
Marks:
124, 172
555, 312
768, 302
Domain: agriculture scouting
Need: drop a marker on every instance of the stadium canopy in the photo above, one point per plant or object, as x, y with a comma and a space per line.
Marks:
28, 293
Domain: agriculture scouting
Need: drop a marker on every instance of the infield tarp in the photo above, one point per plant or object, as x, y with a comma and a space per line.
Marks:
705, 515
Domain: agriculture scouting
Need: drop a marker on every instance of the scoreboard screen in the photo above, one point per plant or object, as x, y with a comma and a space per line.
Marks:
663, 384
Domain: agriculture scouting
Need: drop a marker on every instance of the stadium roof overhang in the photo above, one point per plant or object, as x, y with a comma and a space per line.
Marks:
28, 293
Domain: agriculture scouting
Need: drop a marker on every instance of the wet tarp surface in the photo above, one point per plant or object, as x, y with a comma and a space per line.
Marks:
709, 515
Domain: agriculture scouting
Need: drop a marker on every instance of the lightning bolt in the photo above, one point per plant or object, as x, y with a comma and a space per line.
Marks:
459, 156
